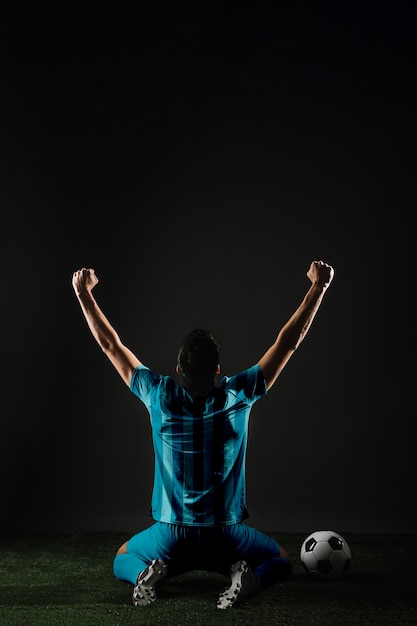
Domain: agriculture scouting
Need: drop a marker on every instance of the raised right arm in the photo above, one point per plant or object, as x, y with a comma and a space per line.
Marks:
123, 359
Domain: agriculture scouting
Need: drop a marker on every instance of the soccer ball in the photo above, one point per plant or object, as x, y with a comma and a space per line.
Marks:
325, 555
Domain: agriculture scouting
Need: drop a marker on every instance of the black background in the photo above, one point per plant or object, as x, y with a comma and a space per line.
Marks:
199, 155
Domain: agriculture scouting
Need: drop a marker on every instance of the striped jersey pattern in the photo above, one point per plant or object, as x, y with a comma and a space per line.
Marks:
199, 445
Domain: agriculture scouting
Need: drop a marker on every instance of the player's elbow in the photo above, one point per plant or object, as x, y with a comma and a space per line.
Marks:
108, 346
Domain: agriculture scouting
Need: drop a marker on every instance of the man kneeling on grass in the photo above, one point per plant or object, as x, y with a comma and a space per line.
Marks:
200, 433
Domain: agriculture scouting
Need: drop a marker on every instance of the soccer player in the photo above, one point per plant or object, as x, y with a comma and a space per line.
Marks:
199, 432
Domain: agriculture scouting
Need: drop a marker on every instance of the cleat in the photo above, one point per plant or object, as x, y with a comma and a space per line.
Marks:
144, 590
245, 585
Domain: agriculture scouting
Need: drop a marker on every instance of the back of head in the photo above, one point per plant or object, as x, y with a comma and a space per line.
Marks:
198, 359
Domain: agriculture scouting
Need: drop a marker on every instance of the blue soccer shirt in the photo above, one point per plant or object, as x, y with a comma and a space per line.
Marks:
200, 446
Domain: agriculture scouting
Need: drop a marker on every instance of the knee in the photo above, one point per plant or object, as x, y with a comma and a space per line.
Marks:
283, 553
122, 549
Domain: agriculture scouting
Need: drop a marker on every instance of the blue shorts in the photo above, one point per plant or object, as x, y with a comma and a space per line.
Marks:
186, 548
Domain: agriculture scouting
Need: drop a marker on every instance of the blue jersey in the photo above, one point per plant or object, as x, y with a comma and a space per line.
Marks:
200, 446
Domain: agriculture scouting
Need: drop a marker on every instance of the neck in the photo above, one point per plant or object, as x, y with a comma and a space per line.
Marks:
200, 388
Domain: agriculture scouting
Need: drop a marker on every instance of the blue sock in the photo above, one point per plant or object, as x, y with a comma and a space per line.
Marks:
273, 571
127, 567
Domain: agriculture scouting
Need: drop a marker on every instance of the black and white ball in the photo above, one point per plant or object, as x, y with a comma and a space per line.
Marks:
325, 555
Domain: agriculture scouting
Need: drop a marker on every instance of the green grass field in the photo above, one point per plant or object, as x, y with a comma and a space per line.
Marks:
67, 579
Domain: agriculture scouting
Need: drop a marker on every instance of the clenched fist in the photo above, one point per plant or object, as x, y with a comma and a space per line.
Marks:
84, 280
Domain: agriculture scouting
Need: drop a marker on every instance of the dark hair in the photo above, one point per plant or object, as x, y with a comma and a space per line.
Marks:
198, 357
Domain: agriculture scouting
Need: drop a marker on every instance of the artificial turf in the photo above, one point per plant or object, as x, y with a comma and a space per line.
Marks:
67, 579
